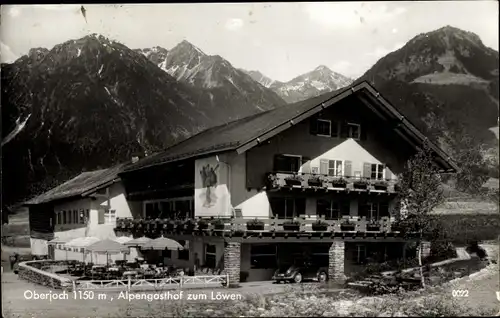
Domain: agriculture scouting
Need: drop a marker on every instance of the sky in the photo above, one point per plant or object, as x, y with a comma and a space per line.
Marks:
281, 40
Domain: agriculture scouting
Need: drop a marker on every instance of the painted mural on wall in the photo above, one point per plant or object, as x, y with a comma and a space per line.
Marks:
209, 182
211, 193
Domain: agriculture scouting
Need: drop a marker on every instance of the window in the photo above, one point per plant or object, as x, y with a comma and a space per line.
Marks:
374, 210
324, 127
210, 256
377, 172
59, 217
109, 216
335, 168
287, 163
288, 208
82, 216
184, 254
354, 131
331, 209
69, 216
170, 208
263, 256
63, 217
360, 254
75, 216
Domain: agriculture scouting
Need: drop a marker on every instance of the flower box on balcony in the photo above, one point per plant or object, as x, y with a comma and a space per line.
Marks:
320, 226
219, 224
272, 180
255, 225
373, 226
138, 224
360, 184
347, 225
380, 185
179, 225
169, 225
291, 225
128, 224
396, 228
189, 225
315, 181
339, 183
294, 180
202, 224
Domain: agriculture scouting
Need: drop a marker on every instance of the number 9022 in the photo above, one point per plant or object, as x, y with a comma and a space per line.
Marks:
460, 293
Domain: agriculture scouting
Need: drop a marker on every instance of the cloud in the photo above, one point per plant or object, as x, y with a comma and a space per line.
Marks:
350, 14
342, 67
234, 24
6, 54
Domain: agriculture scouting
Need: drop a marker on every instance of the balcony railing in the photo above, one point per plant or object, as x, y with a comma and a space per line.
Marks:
277, 180
303, 224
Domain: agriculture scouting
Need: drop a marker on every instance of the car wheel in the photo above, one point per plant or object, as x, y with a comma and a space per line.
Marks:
322, 277
297, 278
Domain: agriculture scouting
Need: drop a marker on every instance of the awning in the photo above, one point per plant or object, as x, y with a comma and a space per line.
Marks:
123, 239
107, 246
162, 243
138, 242
82, 241
57, 241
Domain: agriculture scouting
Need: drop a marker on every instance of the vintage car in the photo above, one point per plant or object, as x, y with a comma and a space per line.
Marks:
299, 271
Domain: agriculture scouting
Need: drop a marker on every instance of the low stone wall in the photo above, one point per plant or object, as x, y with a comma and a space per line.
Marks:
33, 271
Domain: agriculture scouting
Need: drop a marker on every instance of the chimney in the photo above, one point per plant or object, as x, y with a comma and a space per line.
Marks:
135, 159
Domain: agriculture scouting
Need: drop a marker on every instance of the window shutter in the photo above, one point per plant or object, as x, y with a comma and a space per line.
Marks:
313, 126
335, 128
362, 132
101, 216
344, 130
388, 173
367, 170
348, 168
323, 166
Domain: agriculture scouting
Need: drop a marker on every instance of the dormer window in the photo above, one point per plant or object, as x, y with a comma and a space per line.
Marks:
324, 127
354, 131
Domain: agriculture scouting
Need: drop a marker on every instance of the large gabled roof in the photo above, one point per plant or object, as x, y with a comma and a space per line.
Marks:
243, 134
80, 185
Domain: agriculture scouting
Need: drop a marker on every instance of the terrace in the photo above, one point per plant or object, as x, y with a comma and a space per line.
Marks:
315, 182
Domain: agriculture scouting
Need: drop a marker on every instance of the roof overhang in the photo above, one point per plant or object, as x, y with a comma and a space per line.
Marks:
81, 195
380, 106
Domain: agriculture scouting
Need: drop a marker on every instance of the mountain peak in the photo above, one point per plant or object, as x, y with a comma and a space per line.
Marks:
322, 68
188, 46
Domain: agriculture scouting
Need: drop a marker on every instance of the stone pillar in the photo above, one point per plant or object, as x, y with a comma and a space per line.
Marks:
232, 262
426, 249
336, 262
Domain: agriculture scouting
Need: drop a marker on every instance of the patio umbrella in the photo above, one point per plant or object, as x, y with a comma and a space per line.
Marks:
82, 242
163, 243
57, 241
107, 247
138, 242
123, 239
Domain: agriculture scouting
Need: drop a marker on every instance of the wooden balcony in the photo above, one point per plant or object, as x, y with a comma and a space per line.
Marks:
315, 182
305, 225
